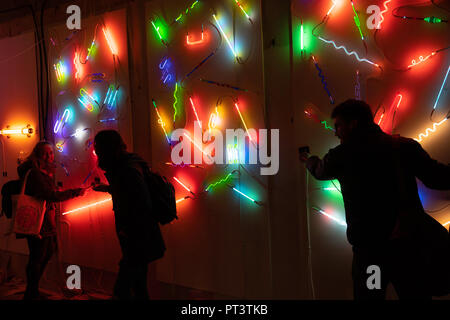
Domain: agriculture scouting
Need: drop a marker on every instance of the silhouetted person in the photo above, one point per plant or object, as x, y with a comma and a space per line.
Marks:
41, 184
377, 173
138, 231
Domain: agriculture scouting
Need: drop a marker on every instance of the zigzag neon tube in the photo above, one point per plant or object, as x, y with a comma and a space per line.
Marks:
195, 111
243, 122
160, 121
381, 13
421, 59
440, 91
349, 53
342, 223
88, 206
430, 130
212, 185
77, 64
59, 123
322, 77
187, 11
175, 101
225, 36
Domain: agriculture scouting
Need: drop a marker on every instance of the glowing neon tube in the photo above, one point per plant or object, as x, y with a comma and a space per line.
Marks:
246, 196
182, 199
110, 98
59, 69
111, 43
160, 121
243, 122
430, 130
62, 121
186, 11
398, 98
212, 185
195, 111
225, 36
90, 49
193, 43
332, 7
183, 185
421, 59
77, 65
213, 120
25, 131
357, 21
381, 13
157, 31
175, 101
242, 9
86, 100
349, 53
448, 222
440, 91
342, 223
302, 47
88, 206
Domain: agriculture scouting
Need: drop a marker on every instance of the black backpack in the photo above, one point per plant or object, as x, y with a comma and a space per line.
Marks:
9, 188
162, 193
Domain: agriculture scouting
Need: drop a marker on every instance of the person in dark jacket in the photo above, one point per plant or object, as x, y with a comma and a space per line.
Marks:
377, 173
137, 230
41, 185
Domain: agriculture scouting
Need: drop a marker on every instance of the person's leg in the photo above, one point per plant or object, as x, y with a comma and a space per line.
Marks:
139, 281
122, 287
407, 271
362, 259
35, 247
49, 248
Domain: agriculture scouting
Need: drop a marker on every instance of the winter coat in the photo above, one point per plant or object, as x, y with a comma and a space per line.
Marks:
42, 186
138, 231
377, 173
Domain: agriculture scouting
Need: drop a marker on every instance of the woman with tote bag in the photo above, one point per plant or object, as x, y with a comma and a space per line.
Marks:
39, 169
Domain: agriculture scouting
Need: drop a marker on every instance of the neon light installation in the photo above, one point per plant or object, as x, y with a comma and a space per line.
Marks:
62, 121
90, 49
183, 185
421, 59
213, 120
357, 21
59, 69
77, 65
160, 121
28, 131
196, 145
349, 53
195, 111
440, 91
430, 130
111, 43
243, 122
246, 196
381, 13
175, 101
86, 100
186, 11
88, 206
322, 77
342, 223
225, 36
242, 9
193, 43
111, 96
212, 185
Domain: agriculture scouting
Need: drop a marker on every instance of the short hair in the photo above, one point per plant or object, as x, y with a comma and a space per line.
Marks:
352, 109
109, 141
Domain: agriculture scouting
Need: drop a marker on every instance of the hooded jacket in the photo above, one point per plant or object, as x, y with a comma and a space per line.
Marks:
42, 186
377, 173
138, 231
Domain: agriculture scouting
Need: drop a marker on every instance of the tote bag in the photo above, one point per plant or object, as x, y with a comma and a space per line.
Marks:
28, 212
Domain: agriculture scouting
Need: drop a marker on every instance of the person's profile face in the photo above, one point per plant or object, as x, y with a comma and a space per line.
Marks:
47, 154
343, 128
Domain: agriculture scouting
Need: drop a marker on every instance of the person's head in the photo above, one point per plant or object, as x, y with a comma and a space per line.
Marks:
350, 117
43, 157
108, 145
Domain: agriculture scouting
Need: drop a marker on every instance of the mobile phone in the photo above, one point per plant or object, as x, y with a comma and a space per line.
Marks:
303, 149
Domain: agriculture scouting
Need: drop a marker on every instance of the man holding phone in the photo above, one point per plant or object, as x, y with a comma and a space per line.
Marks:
377, 173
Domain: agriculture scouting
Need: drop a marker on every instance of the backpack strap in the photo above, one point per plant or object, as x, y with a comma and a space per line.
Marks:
22, 190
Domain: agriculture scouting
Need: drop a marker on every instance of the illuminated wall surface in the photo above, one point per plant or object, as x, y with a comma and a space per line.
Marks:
399, 69
205, 62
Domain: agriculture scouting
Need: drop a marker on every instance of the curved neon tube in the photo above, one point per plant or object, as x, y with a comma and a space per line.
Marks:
421, 59
59, 123
430, 130
381, 13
